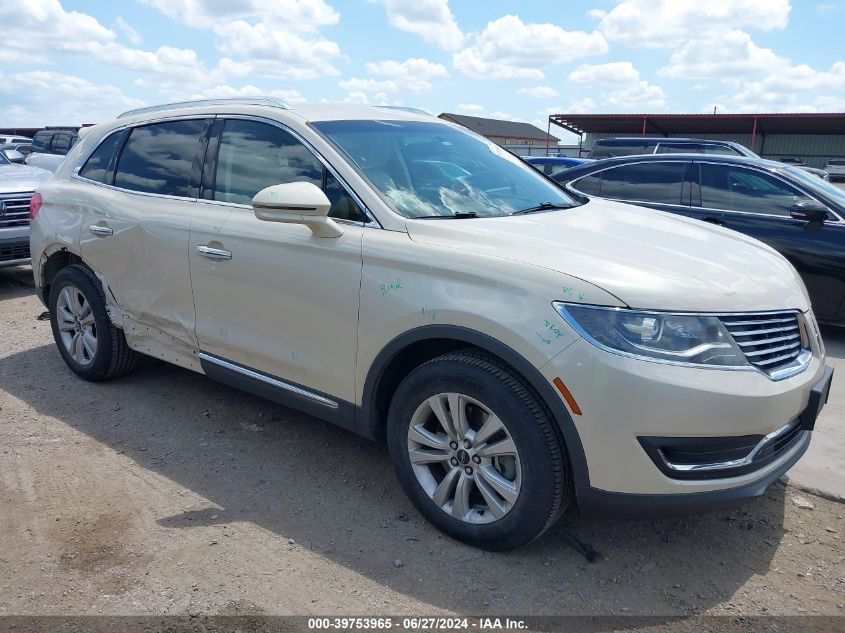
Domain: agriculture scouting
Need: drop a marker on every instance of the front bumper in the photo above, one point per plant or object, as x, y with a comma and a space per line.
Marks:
623, 400
14, 246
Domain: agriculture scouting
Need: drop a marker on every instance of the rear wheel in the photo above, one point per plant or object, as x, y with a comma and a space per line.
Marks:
476, 452
88, 341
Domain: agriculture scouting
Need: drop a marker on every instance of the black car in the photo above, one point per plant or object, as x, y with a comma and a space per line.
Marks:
54, 140
799, 215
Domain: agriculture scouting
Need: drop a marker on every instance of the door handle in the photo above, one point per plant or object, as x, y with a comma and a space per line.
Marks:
214, 253
102, 231
715, 221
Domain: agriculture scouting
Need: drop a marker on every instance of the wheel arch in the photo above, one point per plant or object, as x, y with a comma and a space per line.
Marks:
53, 259
414, 347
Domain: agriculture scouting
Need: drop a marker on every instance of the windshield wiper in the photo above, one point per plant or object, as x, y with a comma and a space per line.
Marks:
543, 206
463, 215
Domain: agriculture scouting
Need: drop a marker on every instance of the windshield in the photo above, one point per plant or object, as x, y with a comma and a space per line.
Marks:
3, 159
427, 169
813, 182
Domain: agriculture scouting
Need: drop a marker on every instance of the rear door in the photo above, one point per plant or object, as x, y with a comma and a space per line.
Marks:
135, 229
757, 203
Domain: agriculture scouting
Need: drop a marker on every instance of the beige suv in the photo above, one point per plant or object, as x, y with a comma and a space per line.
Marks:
518, 348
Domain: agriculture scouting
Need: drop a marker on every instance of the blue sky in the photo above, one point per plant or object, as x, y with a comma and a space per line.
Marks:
85, 60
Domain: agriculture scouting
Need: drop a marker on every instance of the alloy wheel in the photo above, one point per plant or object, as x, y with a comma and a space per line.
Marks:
464, 458
77, 328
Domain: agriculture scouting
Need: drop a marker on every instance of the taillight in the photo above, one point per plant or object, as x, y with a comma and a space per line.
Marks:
34, 205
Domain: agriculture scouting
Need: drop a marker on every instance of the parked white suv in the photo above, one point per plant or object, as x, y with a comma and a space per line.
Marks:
518, 348
835, 168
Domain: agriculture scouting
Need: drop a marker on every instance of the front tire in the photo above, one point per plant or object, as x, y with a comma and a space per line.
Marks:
89, 343
476, 452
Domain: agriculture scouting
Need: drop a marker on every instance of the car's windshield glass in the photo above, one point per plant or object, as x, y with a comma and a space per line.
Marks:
3, 159
429, 169
811, 181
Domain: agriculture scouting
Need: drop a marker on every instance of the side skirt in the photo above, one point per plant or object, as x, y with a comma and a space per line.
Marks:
319, 405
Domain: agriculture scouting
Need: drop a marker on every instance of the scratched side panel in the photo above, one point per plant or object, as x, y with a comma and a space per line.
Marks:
407, 284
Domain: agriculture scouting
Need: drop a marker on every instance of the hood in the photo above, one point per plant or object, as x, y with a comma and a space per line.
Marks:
20, 178
648, 259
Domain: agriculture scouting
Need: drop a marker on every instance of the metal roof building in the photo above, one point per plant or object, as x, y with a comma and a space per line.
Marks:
516, 136
815, 137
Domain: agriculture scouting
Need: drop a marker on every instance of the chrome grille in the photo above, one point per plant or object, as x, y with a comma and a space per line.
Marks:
769, 341
17, 209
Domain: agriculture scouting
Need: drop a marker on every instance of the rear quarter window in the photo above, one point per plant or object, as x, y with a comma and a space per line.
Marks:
100, 164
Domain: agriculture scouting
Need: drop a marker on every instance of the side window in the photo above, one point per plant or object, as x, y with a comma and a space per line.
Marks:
679, 148
60, 144
159, 158
41, 142
589, 185
254, 155
739, 189
100, 164
661, 183
721, 150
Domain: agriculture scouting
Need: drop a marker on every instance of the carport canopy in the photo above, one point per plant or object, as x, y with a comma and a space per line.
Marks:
669, 124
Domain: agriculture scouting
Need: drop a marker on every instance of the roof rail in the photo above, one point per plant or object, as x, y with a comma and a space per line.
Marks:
406, 109
265, 101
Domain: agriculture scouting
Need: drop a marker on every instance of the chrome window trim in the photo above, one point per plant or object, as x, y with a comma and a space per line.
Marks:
280, 384
733, 463
800, 364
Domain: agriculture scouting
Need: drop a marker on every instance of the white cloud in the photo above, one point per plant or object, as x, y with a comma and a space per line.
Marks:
430, 19
471, 109
733, 54
539, 92
268, 38
222, 91
259, 49
622, 87
45, 97
287, 15
510, 49
412, 75
827, 7
131, 34
611, 74
669, 23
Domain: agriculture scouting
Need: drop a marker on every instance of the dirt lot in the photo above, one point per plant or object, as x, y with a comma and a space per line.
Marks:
165, 493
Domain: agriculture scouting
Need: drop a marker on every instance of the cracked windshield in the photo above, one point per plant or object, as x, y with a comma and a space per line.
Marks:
431, 170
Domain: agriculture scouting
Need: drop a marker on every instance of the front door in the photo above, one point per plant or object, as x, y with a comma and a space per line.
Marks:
758, 204
272, 297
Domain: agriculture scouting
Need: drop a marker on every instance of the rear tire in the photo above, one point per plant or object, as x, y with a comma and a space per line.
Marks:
89, 343
496, 475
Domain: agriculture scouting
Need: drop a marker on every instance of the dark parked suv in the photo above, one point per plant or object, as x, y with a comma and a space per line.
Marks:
55, 140
796, 213
631, 145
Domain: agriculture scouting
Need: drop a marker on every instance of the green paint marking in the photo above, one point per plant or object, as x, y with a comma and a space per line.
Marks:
386, 289
431, 314
551, 327
571, 292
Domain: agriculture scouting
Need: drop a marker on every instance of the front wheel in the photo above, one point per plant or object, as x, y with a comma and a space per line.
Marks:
476, 452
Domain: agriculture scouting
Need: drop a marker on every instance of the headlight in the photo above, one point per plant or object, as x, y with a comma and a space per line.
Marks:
674, 338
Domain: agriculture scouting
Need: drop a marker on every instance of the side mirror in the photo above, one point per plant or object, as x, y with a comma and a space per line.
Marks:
808, 210
297, 203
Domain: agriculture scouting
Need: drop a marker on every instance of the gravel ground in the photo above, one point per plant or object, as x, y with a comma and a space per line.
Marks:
165, 493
